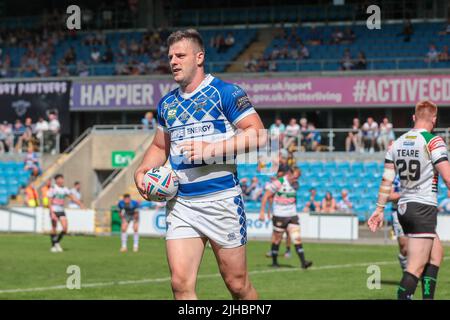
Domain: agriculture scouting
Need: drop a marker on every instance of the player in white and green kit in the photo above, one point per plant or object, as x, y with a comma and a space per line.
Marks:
417, 157
285, 216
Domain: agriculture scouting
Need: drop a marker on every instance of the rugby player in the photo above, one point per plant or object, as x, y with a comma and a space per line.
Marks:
128, 210
56, 196
285, 218
199, 124
418, 157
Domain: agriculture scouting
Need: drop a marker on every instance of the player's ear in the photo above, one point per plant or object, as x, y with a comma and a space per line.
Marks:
414, 118
200, 58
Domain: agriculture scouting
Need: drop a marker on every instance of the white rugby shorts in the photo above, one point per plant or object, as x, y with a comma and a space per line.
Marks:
221, 221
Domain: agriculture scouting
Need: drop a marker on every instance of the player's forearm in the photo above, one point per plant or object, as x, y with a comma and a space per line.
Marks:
384, 192
245, 141
153, 157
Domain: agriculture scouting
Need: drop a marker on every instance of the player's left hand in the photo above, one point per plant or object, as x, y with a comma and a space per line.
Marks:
197, 150
376, 220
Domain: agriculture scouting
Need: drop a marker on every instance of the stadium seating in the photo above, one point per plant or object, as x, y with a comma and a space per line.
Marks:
381, 50
243, 38
361, 180
12, 177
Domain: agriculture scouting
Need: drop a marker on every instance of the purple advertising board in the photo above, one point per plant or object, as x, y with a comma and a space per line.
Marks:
355, 91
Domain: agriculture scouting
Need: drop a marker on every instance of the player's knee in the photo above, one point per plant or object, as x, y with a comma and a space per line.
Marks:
294, 234
238, 284
182, 284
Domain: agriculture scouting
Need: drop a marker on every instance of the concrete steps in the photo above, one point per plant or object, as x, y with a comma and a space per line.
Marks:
256, 49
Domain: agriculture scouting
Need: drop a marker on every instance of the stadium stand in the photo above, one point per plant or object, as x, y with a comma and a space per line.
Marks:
12, 177
361, 179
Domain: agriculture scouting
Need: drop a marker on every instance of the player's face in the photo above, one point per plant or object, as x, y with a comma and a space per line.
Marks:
126, 200
60, 181
294, 177
185, 59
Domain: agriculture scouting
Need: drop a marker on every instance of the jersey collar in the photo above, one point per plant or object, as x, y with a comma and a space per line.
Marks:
202, 85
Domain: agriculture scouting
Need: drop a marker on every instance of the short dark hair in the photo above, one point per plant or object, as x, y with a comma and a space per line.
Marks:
76, 183
126, 195
57, 176
189, 34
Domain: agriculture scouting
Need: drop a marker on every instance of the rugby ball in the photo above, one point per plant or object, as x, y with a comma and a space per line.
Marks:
161, 184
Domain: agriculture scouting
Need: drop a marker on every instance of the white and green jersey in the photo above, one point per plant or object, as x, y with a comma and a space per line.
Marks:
414, 156
58, 195
285, 198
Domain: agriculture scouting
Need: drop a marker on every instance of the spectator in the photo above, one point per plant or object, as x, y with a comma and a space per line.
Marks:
386, 135
347, 60
82, 69
446, 29
251, 64
370, 134
361, 62
345, 205
348, 36
291, 134
229, 41
76, 192
70, 56
51, 136
275, 54
244, 187
444, 55
41, 126
283, 166
108, 56
277, 130
304, 52
149, 122
407, 31
353, 139
337, 36
314, 37
328, 203
95, 55
312, 205
255, 190
54, 124
312, 139
444, 206
31, 196
432, 54
32, 162
18, 131
4, 144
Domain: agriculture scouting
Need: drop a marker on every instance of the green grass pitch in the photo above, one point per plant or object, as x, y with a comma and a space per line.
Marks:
28, 270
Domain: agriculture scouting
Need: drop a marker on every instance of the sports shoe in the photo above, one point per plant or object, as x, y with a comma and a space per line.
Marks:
287, 254
135, 248
123, 249
53, 249
307, 264
269, 254
58, 247
275, 265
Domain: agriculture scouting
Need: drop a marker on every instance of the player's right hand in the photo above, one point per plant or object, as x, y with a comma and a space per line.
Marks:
139, 181
261, 216
376, 220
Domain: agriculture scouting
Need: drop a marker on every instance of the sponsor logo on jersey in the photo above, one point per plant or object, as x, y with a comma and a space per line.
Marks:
408, 143
411, 137
231, 236
185, 116
193, 130
243, 102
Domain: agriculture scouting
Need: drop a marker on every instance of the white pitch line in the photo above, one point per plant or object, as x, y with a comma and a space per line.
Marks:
201, 276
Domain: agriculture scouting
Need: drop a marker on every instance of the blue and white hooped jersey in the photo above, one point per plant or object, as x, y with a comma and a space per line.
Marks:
209, 113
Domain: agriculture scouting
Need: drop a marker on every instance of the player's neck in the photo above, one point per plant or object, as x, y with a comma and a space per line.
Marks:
196, 81
423, 125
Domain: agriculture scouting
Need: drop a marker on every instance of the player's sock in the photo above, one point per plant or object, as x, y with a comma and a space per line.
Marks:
53, 238
60, 236
402, 260
301, 253
429, 279
407, 286
124, 239
136, 239
275, 248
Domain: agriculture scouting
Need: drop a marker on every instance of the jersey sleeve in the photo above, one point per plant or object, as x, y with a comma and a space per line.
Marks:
120, 205
160, 117
389, 157
50, 193
273, 186
438, 150
235, 103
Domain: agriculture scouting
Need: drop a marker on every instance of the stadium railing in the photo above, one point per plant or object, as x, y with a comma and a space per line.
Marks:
333, 139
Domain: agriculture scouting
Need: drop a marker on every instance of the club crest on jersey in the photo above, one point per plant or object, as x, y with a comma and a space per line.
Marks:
171, 114
185, 116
